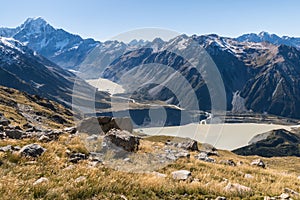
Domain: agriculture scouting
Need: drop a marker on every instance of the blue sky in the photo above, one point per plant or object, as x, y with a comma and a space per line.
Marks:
102, 20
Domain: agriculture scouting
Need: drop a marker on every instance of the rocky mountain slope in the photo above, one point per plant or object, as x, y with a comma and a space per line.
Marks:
274, 143
259, 71
25, 70
24, 110
263, 75
59, 46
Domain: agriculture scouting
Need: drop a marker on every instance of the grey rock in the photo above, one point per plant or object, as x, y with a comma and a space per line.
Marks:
16, 148
14, 134
181, 174
292, 192
71, 130
284, 196
209, 149
96, 157
41, 180
32, 150
44, 138
4, 121
2, 135
92, 138
122, 139
184, 143
235, 187
76, 157
6, 148
183, 155
204, 157
123, 123
171, 157
89, 126
270, 198
259, 163
103, 124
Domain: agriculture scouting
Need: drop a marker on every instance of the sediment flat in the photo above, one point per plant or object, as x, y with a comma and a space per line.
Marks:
222, 136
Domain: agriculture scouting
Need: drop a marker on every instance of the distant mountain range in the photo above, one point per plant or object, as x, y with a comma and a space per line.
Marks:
271, 38
23, 69
265, 76
260, 70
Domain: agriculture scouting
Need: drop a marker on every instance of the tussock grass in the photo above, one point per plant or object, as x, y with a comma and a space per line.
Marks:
18, 175
11, 99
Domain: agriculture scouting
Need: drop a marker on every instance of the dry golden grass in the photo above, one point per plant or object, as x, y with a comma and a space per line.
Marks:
18, 174
10, 98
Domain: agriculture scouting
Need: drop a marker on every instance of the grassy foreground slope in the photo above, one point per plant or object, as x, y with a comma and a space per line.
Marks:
86, 181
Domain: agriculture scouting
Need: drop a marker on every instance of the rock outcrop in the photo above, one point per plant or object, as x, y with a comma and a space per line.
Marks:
121, 138
101, 125
32, 150
181, 175
274, 143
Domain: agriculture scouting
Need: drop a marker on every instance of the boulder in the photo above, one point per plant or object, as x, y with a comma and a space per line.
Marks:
292, 192
103, 124
209, 149
76, 157
181, 174
184, 143
14, 133
124, 123
71, 130
44, 138
32, 150
284, 196
122, 139
41, 180
259, 163
2, 135
6, 148
235, 187
4, 121
204, 157
183, 155
92, 138
96, 157
89, 126
1, 128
